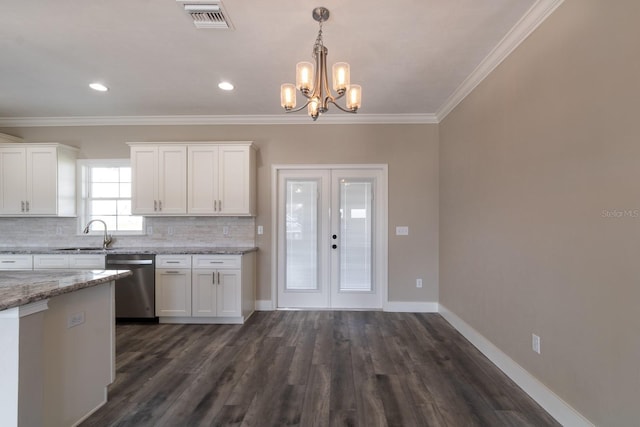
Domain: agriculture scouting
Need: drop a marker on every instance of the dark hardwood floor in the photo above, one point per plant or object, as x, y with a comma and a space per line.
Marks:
316, 368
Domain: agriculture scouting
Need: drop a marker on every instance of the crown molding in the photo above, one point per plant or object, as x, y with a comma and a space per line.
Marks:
217, 120
540, 10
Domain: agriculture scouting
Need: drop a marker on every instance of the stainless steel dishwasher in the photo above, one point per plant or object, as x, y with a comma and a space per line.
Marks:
135, 295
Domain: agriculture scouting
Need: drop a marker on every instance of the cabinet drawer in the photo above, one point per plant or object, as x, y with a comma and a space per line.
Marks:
16, 262
43, 262
87, 261
217, 261
173, 261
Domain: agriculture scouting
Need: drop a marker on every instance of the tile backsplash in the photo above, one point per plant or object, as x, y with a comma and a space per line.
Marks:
165, 232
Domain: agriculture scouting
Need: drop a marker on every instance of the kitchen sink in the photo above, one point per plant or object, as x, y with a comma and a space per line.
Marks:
95, 248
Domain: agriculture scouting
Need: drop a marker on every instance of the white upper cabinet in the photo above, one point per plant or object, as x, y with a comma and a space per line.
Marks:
203, 181
37, 180
221, 180
159, 179
207, 178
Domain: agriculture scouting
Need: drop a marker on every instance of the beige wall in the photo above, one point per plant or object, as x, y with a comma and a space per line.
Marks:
540, 207
411, 151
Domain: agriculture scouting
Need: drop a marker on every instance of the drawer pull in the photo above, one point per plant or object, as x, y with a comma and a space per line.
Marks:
172, 272
8, 262
172, 262
216, 262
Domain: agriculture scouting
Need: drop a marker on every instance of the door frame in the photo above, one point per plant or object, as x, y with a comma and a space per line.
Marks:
382, 249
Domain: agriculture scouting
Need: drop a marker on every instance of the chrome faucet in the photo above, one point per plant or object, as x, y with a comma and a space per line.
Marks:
107, 237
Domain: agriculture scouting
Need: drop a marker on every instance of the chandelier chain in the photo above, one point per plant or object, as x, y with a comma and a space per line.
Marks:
319, 38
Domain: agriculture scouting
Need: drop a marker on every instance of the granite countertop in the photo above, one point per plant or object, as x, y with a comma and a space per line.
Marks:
23, 287
198, 250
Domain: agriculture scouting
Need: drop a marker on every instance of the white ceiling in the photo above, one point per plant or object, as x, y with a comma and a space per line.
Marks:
411, 57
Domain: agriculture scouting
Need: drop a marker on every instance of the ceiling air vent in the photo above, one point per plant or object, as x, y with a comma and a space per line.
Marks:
207, 16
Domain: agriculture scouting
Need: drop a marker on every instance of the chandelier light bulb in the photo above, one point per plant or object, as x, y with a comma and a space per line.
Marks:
313, 108
304, 76
354, 97
340, 77
288, 96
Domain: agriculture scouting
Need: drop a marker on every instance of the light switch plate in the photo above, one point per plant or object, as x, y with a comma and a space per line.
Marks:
402, 231
260, 229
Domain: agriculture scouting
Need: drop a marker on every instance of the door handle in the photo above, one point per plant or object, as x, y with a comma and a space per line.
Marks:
334, 237
334, 246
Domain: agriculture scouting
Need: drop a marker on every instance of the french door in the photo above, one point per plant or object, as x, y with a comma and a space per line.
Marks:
331, 238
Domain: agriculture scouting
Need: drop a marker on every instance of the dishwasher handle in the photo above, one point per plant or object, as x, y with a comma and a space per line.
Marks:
130, 262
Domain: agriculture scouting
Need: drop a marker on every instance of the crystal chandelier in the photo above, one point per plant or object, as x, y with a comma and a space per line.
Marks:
313, 83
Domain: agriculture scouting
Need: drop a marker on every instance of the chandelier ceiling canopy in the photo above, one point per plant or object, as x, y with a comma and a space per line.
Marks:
313, 83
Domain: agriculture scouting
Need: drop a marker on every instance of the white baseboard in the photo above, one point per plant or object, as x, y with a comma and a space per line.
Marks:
554, 405
392, 306
411, 307
264, 305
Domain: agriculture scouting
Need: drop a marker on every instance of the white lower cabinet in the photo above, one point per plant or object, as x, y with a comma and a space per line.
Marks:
173, 292
216, 293
68, 262
173, 285
215, 289
16, 262
87, 262
52, 262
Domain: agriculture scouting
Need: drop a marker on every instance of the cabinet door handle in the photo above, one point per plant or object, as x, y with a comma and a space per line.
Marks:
8, 262
172, 262
160, 205
27, 205
155, 205
220, 205
213, 278
22, 206
216, 262
218, 277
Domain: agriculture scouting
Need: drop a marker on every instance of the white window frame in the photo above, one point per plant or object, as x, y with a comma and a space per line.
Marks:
82, 191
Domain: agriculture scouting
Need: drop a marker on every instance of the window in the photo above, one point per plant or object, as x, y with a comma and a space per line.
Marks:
105, 190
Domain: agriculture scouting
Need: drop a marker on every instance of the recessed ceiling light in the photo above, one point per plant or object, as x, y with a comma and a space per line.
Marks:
99, 87
225, 86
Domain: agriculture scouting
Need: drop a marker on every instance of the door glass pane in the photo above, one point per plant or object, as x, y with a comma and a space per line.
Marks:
356, 227
301, 226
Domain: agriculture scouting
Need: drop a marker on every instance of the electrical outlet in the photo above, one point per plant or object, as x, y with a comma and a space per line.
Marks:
418, 283
75, 320
535, 343
170, 231
225, 230
260, 230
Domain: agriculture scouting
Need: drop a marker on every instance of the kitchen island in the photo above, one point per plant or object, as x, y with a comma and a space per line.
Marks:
58, 337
